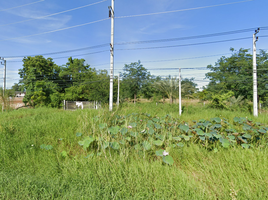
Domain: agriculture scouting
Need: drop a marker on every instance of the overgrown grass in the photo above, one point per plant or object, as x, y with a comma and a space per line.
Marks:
29, 172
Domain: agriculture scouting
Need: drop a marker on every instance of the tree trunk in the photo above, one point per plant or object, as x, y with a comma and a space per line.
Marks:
135, 98
171, 100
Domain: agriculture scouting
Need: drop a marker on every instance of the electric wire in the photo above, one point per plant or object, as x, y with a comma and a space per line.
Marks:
181, 10
45, 16
53, 31
60, 52
21, 5
183, 45
189, 37
154, 41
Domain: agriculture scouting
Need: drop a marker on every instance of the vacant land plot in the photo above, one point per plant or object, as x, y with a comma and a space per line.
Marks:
141, 151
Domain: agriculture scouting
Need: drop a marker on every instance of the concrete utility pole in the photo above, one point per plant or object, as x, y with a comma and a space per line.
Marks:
4, 75
255, 89
118, 90
111, 15
180, 91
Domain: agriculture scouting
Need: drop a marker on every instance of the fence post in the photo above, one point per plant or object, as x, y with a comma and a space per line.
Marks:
64, 104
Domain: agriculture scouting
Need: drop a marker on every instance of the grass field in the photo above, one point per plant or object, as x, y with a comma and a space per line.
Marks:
44, 155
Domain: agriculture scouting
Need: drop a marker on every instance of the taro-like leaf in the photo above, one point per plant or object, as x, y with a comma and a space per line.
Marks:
81, 143
218, 136
115, 145
105, 144
217, 126
137, 147
114, 130
236, 119
149, 122
242, 139
177, 138
248, 136
160, 137
64, 154
184, 128
159, 152
231, 137
146, 145
185, 137
262, 131
133, 124
87, 141
157, 126
180, 144
199, 131
231, 130
151, 131
168, 159
134, 134
78, 134
170, 136
123, 131
194, 121
202, 120
246, 127
203, 138
48, 147
43, 146
206, 124
155, 120
123, 142
158, 142
258, 123
209, 135
102, 126
128, 139
225, 144
216, 119
245, 146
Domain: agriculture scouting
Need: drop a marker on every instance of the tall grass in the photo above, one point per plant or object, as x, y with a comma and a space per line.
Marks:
29, 172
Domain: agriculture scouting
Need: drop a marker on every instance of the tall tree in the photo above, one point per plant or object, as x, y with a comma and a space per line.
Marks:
234, 73
134, 77
38, 78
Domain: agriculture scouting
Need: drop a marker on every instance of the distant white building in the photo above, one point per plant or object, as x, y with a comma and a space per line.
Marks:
20, 94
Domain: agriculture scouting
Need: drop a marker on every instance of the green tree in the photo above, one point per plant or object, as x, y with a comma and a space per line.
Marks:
234, 74
169, 86
38, 79
134, 76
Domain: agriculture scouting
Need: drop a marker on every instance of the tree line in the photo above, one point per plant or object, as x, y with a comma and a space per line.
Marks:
230, 82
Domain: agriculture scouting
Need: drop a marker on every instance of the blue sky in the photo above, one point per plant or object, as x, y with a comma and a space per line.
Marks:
24, 33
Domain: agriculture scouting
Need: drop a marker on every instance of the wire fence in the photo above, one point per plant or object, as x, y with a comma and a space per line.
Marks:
75, 105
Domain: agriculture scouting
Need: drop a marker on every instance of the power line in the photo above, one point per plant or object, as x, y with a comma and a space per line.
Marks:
62, 29
189, 37
181, 45
21, 5
73, 55
54, 13
187, 9
60, 52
